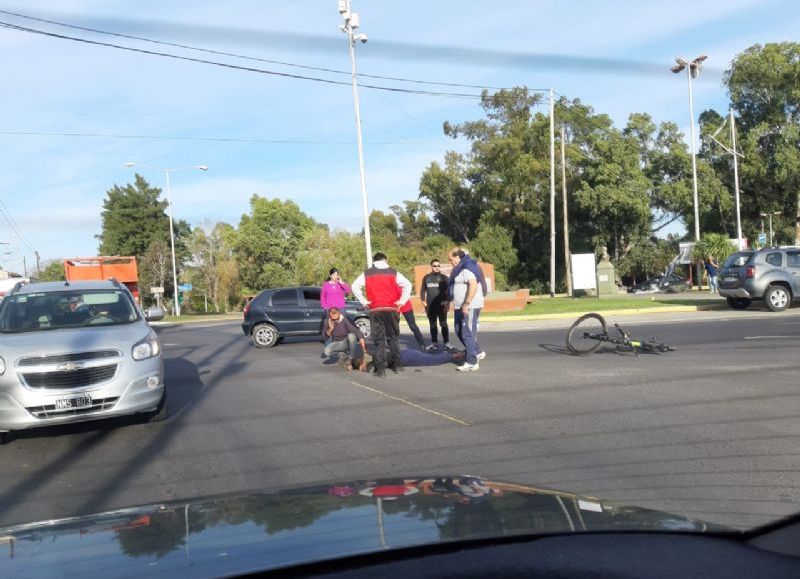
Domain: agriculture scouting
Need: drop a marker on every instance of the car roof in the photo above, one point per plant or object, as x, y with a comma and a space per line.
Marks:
61, 286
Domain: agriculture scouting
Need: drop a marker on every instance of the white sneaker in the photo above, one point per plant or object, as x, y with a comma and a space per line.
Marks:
465, 367
432, 347
481, 356
447, 346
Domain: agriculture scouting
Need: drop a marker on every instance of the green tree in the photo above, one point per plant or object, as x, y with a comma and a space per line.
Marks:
764, 87
213, 271
323, 250
494, 244
415, 222
717, 245
155, 270
133, 217
267, 242
53, 271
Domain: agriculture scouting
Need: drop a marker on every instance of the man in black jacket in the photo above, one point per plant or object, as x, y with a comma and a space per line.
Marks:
433, 294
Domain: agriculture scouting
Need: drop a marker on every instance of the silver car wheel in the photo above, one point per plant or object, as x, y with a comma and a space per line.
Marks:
779, 298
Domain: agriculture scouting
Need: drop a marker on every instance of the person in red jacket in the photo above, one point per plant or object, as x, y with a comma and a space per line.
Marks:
408, 314
383, 285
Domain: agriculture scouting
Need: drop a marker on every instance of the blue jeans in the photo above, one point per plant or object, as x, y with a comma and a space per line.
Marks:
348, 345
467, 332
713, 285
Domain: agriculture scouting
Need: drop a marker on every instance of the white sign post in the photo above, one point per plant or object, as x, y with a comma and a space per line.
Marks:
584, 271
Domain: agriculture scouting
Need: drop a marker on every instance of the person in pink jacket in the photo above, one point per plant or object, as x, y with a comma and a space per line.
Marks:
333, 291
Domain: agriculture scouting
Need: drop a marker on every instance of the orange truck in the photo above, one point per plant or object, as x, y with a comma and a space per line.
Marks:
123, 269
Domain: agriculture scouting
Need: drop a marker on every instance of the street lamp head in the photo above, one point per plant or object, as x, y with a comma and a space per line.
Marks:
701, 58
362, 37
129, 164
677, 68
681, 61
203, 167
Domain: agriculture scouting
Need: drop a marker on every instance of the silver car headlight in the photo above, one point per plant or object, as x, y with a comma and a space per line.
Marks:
2, 366
147, 348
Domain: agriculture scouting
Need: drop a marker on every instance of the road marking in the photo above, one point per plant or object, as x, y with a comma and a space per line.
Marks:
771, 337
412, 404
170, 344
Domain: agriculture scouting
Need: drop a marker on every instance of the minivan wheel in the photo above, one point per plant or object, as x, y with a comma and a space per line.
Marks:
739, 303
364, 327
264, 336
777, 298
5, 437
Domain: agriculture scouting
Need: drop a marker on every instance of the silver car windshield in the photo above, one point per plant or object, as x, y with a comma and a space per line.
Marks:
36, 312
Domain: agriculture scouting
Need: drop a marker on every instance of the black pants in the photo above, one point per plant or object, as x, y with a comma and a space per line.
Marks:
385, 334
412, 323
438, 312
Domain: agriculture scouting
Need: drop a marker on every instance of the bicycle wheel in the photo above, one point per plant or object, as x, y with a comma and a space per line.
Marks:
586, 334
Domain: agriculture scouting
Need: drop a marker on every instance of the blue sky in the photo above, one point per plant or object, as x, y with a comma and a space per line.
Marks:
54, 186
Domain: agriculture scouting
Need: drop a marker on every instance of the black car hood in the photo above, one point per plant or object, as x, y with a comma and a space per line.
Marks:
235, 534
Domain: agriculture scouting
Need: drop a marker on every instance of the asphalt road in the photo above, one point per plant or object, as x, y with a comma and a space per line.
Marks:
710, 431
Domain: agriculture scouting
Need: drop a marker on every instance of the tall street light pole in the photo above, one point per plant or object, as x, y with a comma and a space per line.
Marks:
692, 70
351, 23
552, 196
176, 306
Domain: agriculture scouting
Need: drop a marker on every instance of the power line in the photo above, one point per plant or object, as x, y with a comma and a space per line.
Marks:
236, 67
204, 139
253, 58
14, 226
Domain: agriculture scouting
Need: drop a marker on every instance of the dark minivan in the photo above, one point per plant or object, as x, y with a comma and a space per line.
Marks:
294, 311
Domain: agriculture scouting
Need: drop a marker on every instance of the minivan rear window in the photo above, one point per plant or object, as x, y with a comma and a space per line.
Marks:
739, 259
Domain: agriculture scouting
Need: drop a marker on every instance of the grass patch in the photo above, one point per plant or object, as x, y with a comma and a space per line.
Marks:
587, 304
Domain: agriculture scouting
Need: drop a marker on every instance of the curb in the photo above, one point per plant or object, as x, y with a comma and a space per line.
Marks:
163, 323
617, 312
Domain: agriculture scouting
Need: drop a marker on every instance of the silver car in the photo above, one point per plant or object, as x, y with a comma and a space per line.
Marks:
71, 352
771, 274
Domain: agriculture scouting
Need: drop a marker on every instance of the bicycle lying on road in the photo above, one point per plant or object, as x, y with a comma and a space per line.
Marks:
587, 334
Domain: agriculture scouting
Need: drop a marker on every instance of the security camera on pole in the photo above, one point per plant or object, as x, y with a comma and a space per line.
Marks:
692, 70
351, 23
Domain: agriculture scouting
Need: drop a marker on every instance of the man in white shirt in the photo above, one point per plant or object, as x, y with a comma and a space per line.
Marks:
468, 302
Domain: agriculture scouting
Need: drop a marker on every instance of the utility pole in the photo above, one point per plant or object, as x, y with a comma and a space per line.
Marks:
38, 270
24, 266
566, 222
736, 182
552, 197
732, 150
351, 23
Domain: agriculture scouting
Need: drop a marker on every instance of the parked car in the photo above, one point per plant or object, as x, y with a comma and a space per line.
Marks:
671, 283
294, 311
771, 274
76, 351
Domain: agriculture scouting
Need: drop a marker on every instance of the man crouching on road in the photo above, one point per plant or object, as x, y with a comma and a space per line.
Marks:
341, 336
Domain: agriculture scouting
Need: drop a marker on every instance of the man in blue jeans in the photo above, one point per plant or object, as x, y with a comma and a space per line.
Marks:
341, 336
467, 295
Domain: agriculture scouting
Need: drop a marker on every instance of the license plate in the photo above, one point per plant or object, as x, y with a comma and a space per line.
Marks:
75, 402
730, 278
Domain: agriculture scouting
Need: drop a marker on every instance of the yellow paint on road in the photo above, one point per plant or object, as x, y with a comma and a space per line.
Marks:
412, 404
